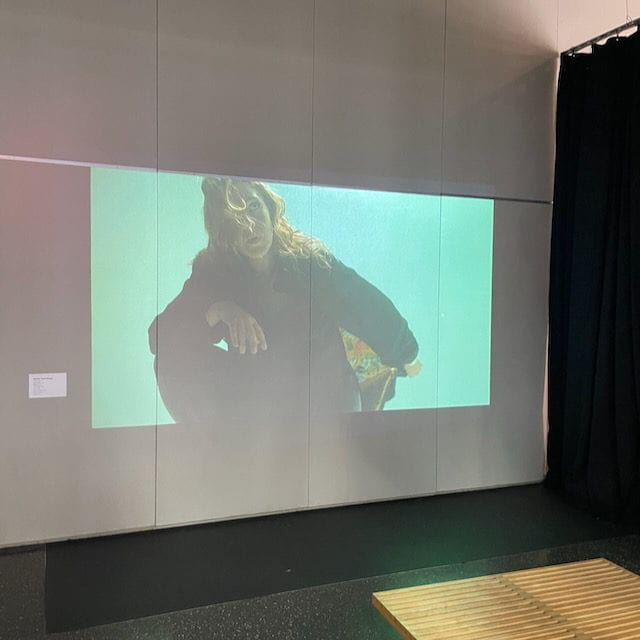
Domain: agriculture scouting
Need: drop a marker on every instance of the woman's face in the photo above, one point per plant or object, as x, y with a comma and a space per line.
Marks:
254, 242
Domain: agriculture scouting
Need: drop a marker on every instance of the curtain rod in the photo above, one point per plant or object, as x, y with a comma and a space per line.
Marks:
608, 34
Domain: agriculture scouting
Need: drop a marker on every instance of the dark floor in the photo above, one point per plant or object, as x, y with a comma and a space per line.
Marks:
341, 609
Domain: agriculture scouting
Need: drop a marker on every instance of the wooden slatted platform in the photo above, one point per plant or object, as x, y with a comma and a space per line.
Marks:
590, 600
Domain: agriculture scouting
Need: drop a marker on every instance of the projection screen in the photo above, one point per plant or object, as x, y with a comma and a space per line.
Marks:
390, 293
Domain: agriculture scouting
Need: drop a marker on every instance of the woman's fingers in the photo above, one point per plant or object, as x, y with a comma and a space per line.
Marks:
261, 340
233, 331
242, 335
252, 339
254, 336
212, 317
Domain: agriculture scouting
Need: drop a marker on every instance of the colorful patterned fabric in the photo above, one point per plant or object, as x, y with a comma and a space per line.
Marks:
376, 380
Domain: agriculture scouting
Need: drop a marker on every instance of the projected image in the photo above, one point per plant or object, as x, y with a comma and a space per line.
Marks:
278, 299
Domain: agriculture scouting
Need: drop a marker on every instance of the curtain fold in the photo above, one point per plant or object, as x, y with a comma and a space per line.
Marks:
594, 299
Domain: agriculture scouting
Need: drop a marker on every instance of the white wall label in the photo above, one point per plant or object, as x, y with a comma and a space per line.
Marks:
47, 385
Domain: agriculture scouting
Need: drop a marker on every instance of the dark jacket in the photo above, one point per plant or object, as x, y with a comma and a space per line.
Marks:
305, 365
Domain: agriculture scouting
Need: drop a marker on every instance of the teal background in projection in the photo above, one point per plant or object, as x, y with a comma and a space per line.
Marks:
466, 261
123, 296
432, 256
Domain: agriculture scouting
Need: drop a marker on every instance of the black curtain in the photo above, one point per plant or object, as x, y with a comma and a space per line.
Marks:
594, 313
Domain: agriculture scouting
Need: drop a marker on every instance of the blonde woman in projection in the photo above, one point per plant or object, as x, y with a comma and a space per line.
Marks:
244, 336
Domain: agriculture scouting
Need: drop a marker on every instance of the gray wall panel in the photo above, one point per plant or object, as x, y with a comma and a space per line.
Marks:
360, 458
58, 477
234, 87
499, 96
243, 456
503, 444
378, 93
78, 80
209, 472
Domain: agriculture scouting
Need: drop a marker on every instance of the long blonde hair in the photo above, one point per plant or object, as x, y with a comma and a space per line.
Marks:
224, 205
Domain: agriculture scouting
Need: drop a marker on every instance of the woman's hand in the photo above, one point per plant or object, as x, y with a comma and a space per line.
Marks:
244, 330
413, 368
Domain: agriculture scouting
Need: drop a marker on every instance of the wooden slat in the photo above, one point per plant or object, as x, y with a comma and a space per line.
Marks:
590, 600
